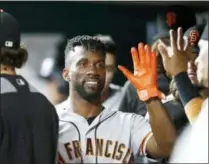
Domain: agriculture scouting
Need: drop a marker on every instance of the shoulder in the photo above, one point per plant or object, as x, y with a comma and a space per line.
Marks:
115, 87
10, 84
129, 116
62, 105
6, 85
61, 108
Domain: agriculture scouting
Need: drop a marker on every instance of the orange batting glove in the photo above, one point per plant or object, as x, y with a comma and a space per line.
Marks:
144, 78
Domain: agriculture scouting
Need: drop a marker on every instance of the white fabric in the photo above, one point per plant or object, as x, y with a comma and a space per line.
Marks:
192, 146
118, 132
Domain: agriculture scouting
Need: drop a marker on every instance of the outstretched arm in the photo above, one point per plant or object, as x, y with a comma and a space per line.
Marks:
164, 133
144, 79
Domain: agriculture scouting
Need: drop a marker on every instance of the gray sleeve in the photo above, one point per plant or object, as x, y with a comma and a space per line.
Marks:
6, 86
130, 102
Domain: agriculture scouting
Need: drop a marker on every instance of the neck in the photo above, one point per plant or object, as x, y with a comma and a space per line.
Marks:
83, 107
9, 70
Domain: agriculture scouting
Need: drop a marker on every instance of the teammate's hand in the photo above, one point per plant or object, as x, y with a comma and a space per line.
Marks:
144, 78
177, 62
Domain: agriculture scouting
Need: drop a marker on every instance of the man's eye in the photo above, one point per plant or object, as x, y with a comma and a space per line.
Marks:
82, 64
101, 65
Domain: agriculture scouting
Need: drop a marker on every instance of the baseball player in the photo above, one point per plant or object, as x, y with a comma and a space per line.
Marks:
91, 133
28, 121
193, 144
176, 65
193, 35
171, 17
111, 92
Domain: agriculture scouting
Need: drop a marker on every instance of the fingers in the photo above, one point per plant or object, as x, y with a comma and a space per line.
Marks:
135, 58
147, 55
173, 40
186, 43
180, 40
126, 72
141, 55
163, 50
154, 65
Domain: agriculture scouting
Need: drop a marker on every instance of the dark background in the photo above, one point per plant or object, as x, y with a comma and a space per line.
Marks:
124, 21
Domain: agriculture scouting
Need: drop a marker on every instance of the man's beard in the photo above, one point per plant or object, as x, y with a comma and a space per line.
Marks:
87, 96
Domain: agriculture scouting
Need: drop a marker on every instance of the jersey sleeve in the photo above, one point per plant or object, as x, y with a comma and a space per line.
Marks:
140, 134
45, 134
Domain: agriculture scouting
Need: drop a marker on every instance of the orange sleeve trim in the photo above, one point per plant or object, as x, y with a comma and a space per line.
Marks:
144, 143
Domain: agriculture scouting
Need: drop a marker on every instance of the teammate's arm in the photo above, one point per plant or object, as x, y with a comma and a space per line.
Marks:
164, 135
176, 65
144, 80
189, 96
45, 132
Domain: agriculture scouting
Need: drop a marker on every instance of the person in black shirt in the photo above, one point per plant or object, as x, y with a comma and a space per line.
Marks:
28, 121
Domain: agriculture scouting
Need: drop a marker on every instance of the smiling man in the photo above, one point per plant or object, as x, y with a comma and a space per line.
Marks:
91, 133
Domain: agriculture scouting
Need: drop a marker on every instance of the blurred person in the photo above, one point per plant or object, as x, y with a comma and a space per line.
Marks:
57, 88
86, 123
28, 121
111, 92
188, 92
170, 18
193, 144
193, 35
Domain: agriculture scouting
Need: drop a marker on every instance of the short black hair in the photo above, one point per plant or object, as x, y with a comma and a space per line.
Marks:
90, 43
109, 43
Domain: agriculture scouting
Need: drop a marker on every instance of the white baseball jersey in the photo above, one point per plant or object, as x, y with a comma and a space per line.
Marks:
192, 146
113, 136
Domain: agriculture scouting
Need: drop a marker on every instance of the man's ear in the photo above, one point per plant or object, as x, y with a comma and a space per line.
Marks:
65, 75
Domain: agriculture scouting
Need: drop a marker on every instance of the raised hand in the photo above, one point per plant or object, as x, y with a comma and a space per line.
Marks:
144, 78
177, 61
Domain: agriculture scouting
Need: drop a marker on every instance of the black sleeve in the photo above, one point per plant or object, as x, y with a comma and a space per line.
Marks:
187, 91
1, 128
45, 135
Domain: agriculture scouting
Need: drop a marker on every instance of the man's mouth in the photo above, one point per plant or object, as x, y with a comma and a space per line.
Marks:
192, 73
92, 82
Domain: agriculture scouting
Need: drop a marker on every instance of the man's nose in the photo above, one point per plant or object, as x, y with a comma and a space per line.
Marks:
189, 65
92, 70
